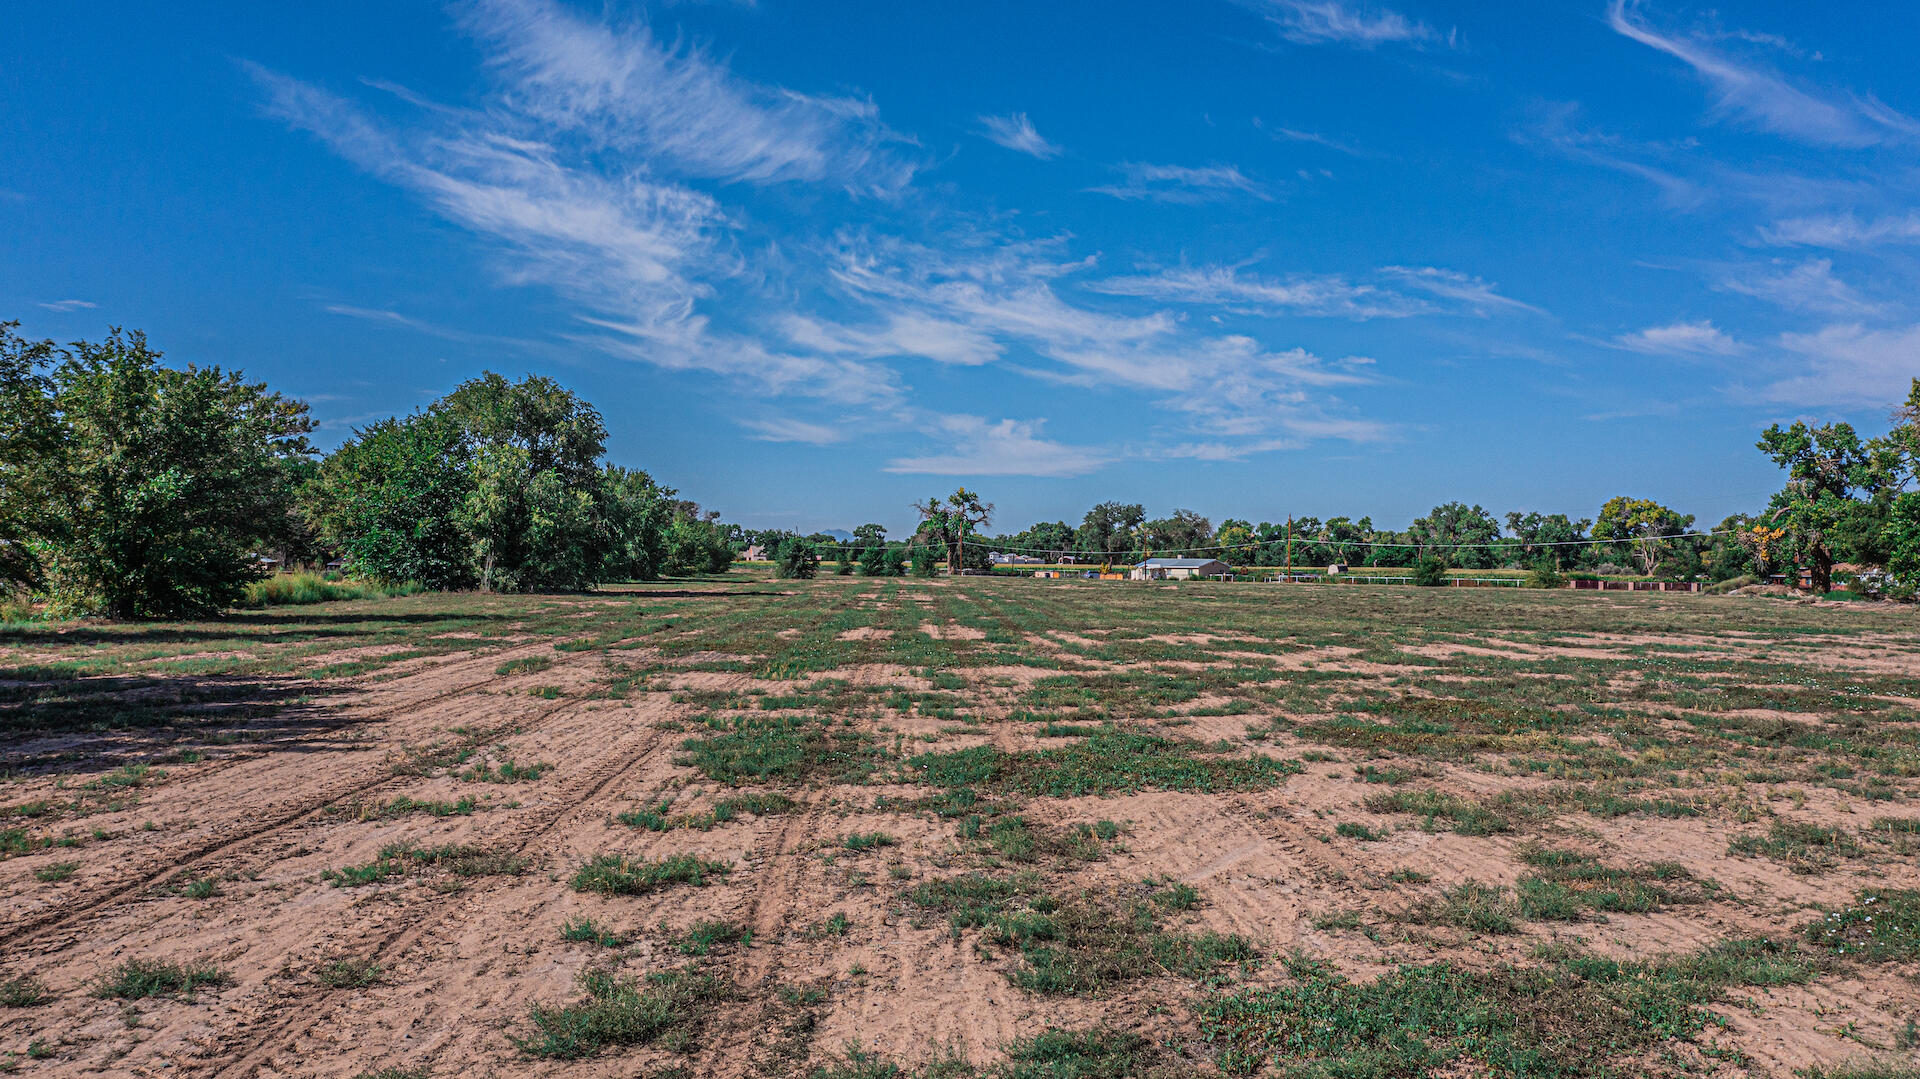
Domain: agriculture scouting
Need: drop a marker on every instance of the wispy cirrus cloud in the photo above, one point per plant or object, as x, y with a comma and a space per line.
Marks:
1762, 97
619, 86
1849, 364
573, 169
789, 429
1181, 183
69, 305
1804, 286
559, 172
1557, 126
1843, 231
1000, 448
1700, 338
1462, 289
1017, 133
1226, 286
1229, 386
904, 333
1287, 134
1341, 22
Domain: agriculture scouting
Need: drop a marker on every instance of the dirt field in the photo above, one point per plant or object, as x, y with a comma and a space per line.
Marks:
755, 828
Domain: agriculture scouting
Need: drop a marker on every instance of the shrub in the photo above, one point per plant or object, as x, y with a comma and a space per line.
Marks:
611, 874
1430, 572
619, 1011
289, 589
795, 560
1544, 575
137, 979
23, 992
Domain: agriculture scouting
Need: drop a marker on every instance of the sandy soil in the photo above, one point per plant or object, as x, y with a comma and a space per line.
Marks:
463, 961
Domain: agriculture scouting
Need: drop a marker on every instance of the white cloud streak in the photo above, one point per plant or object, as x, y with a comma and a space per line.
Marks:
1463, 289
1183, 184
1002, 448
1843, 231
1806, 286
1763, 98
1848, 364
69, 305
1016, 132
620, 87
1225, 286
1340, 22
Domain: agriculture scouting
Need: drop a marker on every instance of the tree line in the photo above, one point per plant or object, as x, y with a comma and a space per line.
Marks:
1847, 499
137, 490
132, 489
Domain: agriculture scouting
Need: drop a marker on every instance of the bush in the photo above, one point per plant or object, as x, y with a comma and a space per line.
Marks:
1430, 572
288, 589
923, 561
795, 560
1730, 584
1544, 575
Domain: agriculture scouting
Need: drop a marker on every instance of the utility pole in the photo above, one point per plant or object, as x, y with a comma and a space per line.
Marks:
1289, 574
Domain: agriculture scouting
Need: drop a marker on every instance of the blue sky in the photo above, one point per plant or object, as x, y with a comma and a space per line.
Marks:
816, 260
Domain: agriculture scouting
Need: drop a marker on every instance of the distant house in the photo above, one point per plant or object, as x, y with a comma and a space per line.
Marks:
754, 553
1179, 569
999, 559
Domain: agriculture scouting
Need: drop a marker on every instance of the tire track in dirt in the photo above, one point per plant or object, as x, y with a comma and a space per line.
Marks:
297, 1003
70, 914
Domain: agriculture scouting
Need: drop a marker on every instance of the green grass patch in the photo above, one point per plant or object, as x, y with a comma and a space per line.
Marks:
137, 979
1581, 1016
760, 748
614, 874
1463, 816
665, 1008
586, 931
1880, 924
1108, 762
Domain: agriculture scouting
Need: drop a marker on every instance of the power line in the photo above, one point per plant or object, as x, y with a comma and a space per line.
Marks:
1373, 543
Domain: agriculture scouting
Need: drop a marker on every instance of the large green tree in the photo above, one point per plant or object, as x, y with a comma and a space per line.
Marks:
28, 437
1833, 478
1108, 528
499, 485
161, 483
1647, 527
1457, 533
1185, 530
1553, 536
638, 513
386, 499
949, 522
533, 513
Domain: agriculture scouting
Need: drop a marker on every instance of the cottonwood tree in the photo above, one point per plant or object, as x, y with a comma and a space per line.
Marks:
1456, 533
1645, 525
1546, 534
1108, 528
948, 523
1344, 537
386, 499
160, 482
28, 437
533, 511
1903, 515
1183, 531
1833, 477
